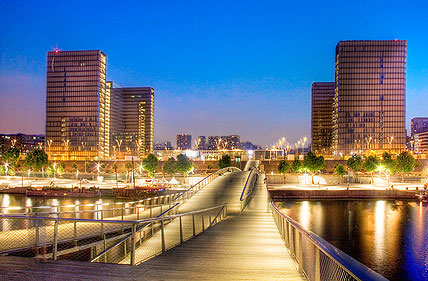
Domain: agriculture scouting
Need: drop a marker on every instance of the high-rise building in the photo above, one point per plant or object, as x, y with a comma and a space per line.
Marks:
419, 125
88, 118
322, 116
184, 142
132, 120
370, 96
200, 143
75, 104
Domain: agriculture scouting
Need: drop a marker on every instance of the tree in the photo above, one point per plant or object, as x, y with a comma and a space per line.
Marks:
60, 168
224, 161
87, 166
11, 156
184, 165
340, 170
210, 167
355, 163
115, 171
170, 166
388, 163
296, 166
36, 159
283, 166
128, 166
313, 164
150, 164
371, 164
405, 163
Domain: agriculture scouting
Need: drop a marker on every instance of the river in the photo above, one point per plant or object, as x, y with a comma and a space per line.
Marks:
391, 237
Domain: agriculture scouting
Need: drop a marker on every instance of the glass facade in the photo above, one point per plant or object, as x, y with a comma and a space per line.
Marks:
322, 116
75, 105
370, 96
88, 118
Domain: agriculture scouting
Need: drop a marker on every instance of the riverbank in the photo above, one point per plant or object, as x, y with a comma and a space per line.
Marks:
343, 194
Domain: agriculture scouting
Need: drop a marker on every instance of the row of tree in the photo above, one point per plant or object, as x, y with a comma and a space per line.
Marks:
311, 164
403, 164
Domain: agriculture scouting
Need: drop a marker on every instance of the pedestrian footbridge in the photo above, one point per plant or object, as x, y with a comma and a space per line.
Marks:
226, 227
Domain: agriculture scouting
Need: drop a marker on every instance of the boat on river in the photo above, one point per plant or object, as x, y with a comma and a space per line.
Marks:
65, 192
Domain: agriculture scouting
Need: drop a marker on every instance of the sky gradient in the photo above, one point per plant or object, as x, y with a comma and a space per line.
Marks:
217, 67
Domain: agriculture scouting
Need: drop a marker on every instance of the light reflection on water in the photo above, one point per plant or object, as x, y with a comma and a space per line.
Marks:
16, 202
391, 237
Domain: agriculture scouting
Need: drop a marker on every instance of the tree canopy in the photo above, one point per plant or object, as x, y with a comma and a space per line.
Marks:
283, 166
184, 165
371, 164
388, 163
36, 159
170, 166
296, 166
224, 162
313, 163
150, 164
340, 170
11, 156
405, 162
355, 163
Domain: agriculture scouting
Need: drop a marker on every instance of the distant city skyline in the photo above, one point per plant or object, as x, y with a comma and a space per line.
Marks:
248, 72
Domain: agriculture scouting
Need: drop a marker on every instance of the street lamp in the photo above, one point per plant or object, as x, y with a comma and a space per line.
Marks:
6, 167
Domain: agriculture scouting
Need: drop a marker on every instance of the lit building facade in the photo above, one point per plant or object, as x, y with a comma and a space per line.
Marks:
184, 142
370, 96
88, 118
201, 143
419, 125
132, 120
76, 105
419, 142
25, 143
322, 116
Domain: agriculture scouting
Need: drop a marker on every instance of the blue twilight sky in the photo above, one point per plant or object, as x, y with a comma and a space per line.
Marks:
218, 67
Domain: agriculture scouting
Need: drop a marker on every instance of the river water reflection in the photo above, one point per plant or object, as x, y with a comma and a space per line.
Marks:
391, 237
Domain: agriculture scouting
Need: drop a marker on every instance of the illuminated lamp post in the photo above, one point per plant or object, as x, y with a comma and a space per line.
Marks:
6, 168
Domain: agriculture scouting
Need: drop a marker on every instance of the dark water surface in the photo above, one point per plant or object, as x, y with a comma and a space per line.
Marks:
391, 237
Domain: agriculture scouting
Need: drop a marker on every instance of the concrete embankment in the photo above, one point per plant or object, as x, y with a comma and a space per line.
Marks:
342, 194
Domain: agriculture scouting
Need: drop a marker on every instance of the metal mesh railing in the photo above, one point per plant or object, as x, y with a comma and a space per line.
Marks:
152, 237
317, 259
65, 238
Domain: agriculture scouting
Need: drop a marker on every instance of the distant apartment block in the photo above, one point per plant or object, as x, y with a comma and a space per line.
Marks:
201, 143
322, 116
25, 143
370, 96
184, 142
419, 125
419, 142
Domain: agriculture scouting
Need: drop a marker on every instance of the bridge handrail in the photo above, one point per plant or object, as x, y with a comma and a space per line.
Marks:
209, 178
244, 196
293, 234
2, 208
221, 214
112, 221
